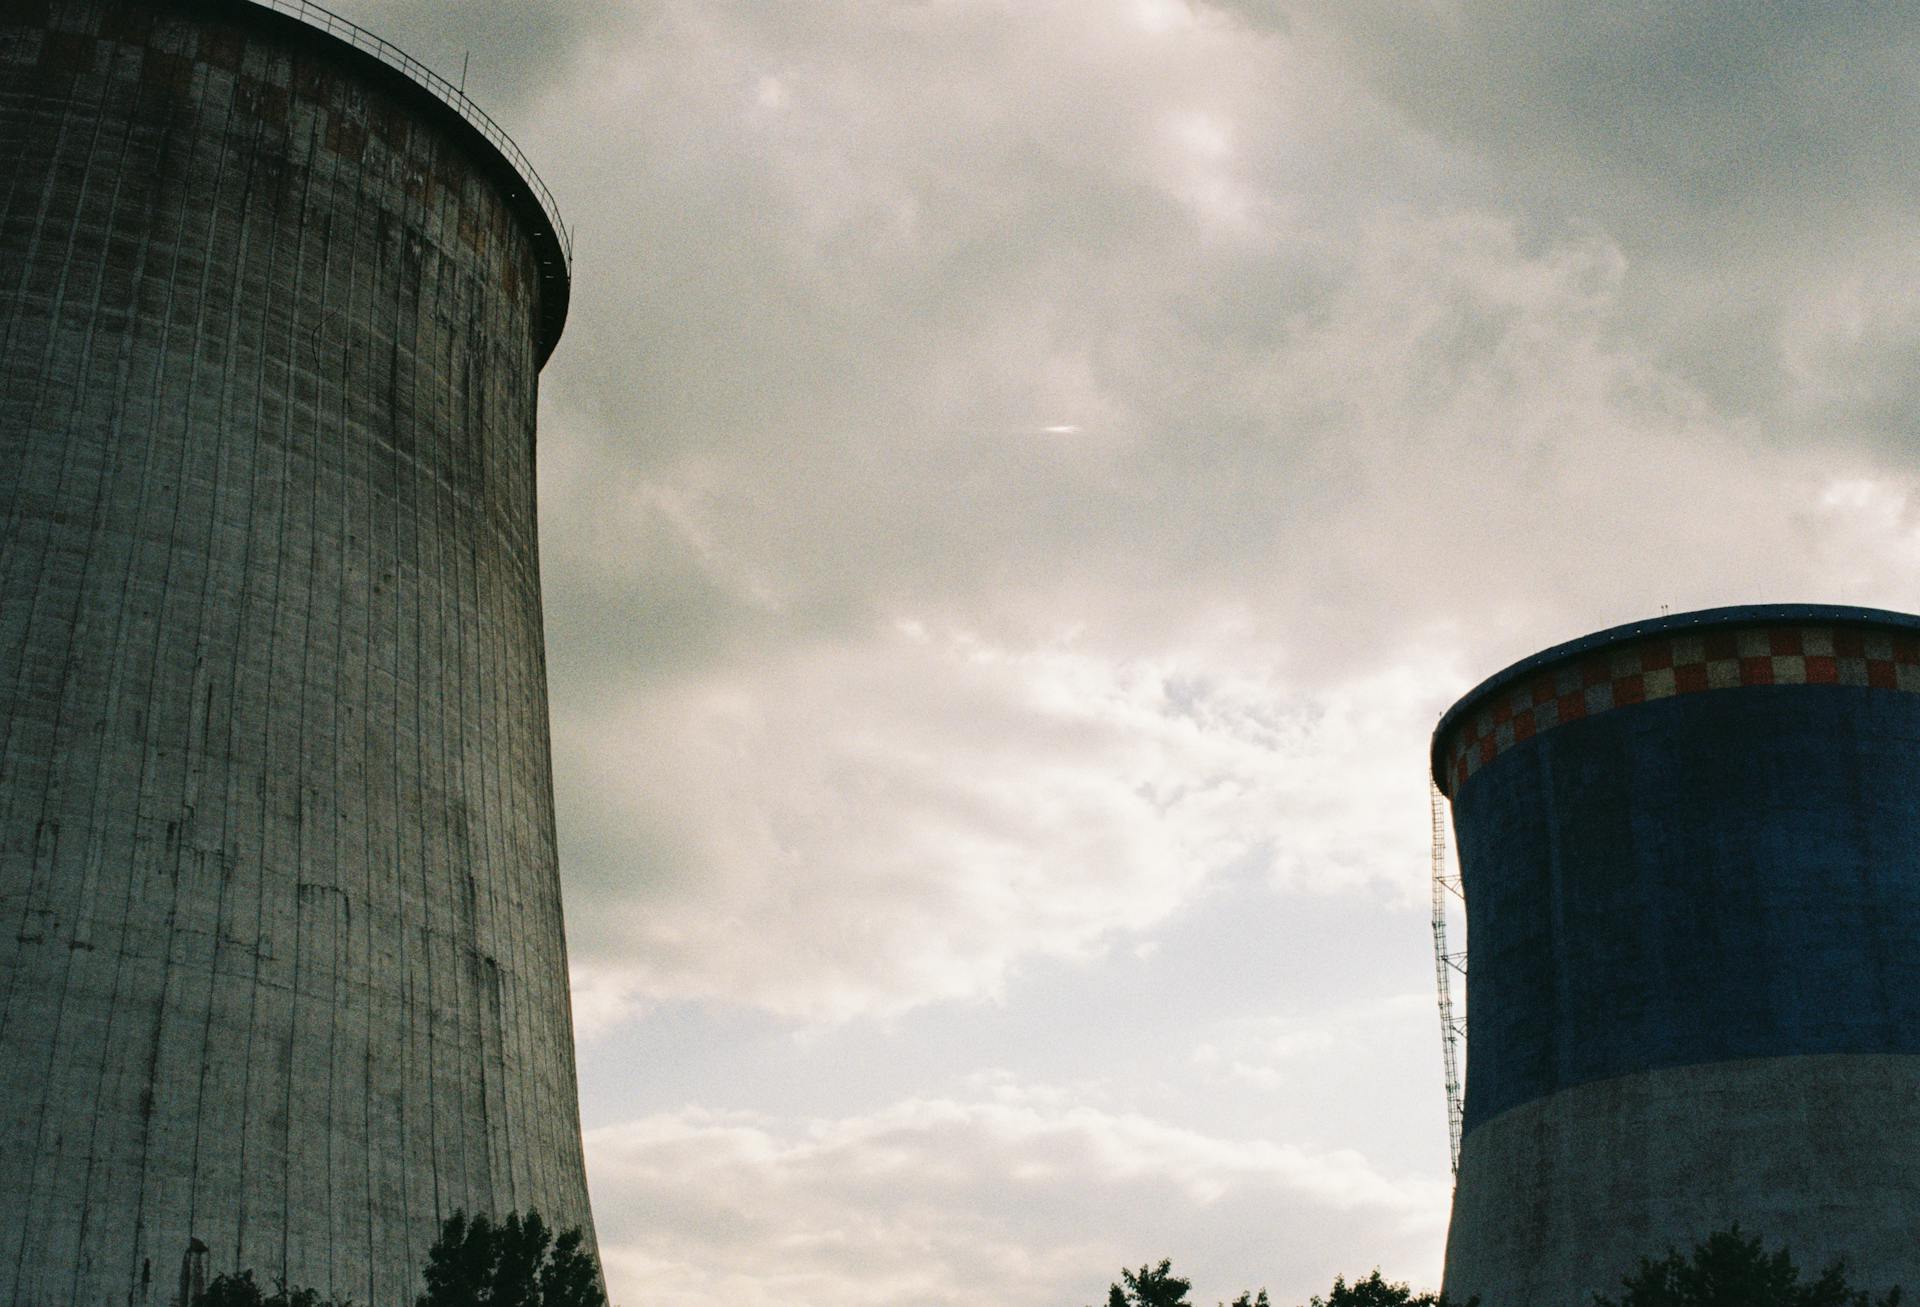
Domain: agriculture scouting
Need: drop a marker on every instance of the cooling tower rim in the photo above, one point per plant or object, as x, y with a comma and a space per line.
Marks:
1700, 619
387, 66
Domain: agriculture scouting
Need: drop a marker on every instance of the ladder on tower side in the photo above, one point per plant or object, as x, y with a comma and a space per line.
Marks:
1446, 963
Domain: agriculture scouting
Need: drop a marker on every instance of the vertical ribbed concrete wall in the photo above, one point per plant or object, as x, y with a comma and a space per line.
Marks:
281, 956
1691, 856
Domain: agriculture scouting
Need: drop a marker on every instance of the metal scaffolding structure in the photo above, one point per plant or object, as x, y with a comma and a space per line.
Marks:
1453, 1027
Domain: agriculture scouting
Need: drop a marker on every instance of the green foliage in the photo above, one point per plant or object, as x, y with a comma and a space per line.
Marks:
240, 1291
1158, 1286
1725, 1270
474, 1263
1375, 1291
1151, 1286
517, 1263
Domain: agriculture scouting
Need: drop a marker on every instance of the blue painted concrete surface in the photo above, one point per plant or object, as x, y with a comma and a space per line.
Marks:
1699, 879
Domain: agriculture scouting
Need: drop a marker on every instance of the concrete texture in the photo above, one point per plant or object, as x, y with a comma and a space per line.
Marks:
282, 967
1717, 876
1691, 859
1561, 1197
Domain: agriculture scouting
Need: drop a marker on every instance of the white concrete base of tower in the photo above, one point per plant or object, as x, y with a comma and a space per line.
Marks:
1560, 1197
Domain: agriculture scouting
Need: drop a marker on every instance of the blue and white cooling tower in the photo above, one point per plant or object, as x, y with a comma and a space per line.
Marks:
1690, 849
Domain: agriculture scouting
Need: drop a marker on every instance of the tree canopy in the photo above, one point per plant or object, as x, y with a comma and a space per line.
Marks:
1729, 1270
475, 1262
1726, 1269
517, 1263
241, 1291
1374, 1291
1158, 1286
1150, 1286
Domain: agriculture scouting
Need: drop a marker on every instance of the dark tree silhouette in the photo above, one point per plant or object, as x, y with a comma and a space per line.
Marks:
1723, 1270
517, 1263
474, 1263
1374, 1291
1727, 1270
1150, 1286
241, 1291
1158, 1286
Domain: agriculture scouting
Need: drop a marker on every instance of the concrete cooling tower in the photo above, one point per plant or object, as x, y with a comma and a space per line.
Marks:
1691, 857
282, 974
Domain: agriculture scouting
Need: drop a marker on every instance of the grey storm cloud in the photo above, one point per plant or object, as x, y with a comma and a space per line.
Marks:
1750, 160
1269, 349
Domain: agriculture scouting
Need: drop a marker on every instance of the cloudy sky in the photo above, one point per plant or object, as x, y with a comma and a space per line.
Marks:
1019, 483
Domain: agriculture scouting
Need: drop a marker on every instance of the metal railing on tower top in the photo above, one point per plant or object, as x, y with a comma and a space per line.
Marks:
454, 97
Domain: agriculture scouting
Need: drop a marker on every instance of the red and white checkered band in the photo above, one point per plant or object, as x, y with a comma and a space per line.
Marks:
1724, 658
